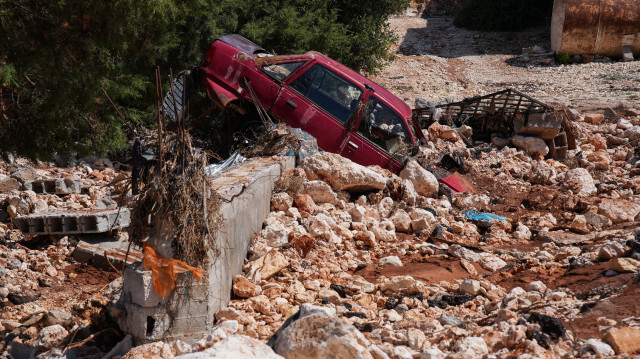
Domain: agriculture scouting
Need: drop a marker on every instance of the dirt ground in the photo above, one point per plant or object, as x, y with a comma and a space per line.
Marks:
439, 61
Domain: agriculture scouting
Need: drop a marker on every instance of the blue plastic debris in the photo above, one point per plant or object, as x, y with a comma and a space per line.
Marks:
472, 214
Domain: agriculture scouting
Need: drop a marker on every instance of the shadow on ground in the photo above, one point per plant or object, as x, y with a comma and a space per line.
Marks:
441, 38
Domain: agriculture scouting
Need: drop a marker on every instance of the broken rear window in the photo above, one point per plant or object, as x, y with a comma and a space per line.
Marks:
281, 71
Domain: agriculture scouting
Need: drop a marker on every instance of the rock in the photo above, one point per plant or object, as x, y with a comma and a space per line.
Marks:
618, 210
232, 314
235, 346
416, 338
461, 252
401, 284
261, 304
624, 265
384, 231
444, 132
402, 221
472, 346
492, 263
432, 353
541, 173
600, 159
624, 340
51, 336
319, 336
598, 347
59, 317
593, 118
305, 203
319, 191
307, 309
385, 207
244, 288
610, 250
422, 220
579, 181
537, 286
424, 182
409, 194
23, 174
367, 237
579, 225
341, 173
8, 184
281, 201
449, 320
522, 232
533, 146
390, 261
267, 266
470, 287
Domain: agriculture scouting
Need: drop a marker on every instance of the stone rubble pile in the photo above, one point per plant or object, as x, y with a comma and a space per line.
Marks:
357, 262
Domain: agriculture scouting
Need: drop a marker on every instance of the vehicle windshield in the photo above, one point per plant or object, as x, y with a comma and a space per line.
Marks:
281, 71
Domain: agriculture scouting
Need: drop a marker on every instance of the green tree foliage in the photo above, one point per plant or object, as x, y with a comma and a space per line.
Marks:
57, 55
503, 15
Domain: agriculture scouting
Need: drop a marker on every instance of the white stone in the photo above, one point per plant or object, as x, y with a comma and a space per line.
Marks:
424, 182
599, 347
474, 346
235, 346
390, 261
470, 287
579, 181
341, 173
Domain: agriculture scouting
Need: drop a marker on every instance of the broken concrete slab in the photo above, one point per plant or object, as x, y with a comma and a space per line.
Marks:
92, 251
89, 221
53, 186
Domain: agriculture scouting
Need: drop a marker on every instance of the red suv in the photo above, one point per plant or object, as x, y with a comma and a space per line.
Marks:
347, 113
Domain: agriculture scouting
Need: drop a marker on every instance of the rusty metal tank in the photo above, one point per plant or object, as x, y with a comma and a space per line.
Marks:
600, 27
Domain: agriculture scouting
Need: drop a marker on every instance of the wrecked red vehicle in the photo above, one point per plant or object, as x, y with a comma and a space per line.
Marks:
347, 113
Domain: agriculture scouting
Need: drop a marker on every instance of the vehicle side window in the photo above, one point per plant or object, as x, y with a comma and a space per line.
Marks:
329, 91
383, 126
281, 71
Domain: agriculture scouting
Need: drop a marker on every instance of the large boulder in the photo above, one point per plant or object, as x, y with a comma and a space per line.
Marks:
318, 336
424, 182
342, 174
579, 181
235, 346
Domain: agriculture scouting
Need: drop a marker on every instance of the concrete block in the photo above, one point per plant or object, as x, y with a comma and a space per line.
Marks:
146, 324
89, 221
91, 251
53, 186
138, 284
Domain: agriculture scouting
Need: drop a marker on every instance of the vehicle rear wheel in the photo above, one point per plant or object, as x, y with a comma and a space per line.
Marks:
245, 128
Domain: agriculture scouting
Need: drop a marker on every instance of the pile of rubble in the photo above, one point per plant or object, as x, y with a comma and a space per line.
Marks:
540, 259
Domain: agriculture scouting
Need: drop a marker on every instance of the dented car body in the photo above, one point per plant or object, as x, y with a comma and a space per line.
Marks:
347, 113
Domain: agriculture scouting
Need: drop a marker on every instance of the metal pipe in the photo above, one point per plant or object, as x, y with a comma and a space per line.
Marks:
596, 27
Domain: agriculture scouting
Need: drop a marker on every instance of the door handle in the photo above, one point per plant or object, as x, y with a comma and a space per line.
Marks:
353, 145
292, 104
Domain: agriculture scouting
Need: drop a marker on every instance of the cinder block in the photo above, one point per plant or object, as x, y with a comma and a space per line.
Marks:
138, 284
145, 324
54, 186
89, 221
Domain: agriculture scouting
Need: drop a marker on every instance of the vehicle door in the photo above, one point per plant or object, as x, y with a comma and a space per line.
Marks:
381, 138
267, 76
319, 101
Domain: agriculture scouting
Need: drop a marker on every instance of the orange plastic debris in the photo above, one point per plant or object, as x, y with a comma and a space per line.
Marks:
164, 271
